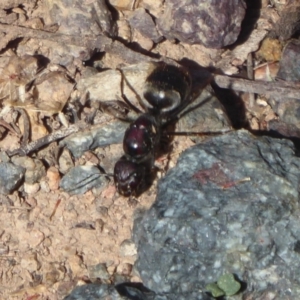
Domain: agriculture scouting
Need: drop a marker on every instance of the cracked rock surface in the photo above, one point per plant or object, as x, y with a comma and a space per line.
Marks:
229, 206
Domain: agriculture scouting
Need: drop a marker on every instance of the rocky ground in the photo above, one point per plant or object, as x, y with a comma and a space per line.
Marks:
62, 224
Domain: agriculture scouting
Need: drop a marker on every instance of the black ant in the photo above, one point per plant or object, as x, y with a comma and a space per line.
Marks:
166, 93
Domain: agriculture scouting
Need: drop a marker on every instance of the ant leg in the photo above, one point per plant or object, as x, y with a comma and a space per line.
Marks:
91, 116
117, 109
74, 111
180, 112
128, 102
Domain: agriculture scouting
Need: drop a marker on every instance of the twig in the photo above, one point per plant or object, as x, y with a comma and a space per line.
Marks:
204, 134
26, 129
55, 208
250, 76
281, 89
7, 126
52, 137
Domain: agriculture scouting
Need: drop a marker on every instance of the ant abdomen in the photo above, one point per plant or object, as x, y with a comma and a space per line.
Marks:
166, 88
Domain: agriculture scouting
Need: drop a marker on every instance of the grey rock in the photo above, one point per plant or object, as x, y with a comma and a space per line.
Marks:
289, 121
285, 129
135, 291
35, 169
288, 111
111, 133
143, 22
119, 278
80, 179
213, 24
290, 61
78, 18
4, 157
23, 161
121, 291
10, 177
205, 114
35, 175
127, 248
98, 271
93, 292
231, 205
65, 161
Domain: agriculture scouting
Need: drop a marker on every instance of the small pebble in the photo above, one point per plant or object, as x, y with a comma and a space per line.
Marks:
65, 161
31, 188
53, 178
128, 248
98, 271
45, 186
124, 269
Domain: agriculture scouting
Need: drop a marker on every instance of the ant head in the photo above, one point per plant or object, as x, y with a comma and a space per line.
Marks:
129, 177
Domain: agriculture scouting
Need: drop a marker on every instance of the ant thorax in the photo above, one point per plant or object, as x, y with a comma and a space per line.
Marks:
141, 138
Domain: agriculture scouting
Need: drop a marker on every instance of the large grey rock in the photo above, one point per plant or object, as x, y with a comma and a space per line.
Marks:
231, 205
143, 22
214, 24
75, 17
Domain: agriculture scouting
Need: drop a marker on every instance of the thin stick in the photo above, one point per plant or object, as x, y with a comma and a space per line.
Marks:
52, 137
199, 133
281, 89
55, 208
250, 76
26, 129
7, 126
